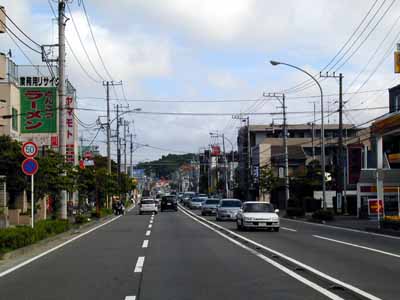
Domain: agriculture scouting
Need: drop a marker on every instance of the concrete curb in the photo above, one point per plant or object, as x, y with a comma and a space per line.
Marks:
17, 253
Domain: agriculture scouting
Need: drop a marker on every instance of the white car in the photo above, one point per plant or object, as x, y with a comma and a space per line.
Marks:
148, 205
255, 214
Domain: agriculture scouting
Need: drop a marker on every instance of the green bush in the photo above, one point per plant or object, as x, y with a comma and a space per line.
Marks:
102, 212
295, 212
20, 236
81, 219
323, 215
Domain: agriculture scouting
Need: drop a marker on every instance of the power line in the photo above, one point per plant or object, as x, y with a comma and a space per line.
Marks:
94, 41
17, 37
24, 54
82, 44
19, 29
73, 52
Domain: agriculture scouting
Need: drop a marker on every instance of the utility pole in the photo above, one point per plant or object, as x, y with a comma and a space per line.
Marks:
282, 99
118, 151
131, 155
61, 95
126, 128
249, 181
340, 170
225, 167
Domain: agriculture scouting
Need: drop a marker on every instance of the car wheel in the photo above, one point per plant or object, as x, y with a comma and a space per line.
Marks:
140, 212
217, 218
276, 229
203, 214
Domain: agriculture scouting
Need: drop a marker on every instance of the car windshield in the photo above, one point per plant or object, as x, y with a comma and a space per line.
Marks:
231, 203
212, 201
147, 201
258, 207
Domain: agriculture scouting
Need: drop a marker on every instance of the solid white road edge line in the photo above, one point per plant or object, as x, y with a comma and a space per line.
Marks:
346, 229
56, 247
139, 264
289, 229
148, 232
307, 267
145, 244
130, 298
357, 246
296, 276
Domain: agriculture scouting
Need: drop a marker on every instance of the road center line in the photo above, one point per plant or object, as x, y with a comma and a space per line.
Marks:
139, 264
56, 247
291, 273
289, 229
145, 244
130, 298
148, 232
150, 225
304, 266
357, 246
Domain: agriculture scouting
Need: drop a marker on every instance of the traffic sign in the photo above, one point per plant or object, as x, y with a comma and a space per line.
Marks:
30, 166
29, 149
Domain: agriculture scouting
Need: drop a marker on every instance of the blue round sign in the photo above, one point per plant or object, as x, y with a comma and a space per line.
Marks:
30, 166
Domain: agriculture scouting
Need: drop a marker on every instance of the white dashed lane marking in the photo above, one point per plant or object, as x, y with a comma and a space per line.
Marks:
139, 264
145, 244
148, 232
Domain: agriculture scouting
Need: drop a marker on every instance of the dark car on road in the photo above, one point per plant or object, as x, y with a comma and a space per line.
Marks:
169, 202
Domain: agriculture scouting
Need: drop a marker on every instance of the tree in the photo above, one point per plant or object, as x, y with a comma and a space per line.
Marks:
10, 166
267, 181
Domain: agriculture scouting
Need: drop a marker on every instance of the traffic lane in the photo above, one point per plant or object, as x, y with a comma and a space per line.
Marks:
369, 271
384, 243
186, 260
97, 266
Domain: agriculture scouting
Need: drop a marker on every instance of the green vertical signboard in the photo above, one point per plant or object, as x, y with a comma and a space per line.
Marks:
38, 109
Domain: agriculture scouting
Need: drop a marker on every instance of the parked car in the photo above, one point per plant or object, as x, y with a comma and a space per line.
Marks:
257, 215
202, 195
148, 205
169, 202
186, 200
158, 202
209, 207
227, 209
196, 202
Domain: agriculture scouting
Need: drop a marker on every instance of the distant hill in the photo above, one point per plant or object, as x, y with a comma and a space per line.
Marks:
166, 165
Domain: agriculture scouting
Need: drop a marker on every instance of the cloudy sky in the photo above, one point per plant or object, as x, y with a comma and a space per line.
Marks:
207, 50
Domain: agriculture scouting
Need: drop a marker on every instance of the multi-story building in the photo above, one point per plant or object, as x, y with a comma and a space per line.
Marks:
380, 176
304, 145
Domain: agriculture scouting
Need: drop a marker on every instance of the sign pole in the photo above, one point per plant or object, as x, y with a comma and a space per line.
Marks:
32, 200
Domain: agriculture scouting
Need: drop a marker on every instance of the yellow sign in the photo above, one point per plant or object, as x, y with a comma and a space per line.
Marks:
397, 62
394, 158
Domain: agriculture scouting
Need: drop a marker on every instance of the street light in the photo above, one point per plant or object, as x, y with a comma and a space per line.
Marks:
275, 63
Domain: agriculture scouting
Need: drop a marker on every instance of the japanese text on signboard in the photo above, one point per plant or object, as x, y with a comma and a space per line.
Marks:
42, 81
38, 110
69, 125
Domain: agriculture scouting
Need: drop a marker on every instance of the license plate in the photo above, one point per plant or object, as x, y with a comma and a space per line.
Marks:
168, 204
262, 224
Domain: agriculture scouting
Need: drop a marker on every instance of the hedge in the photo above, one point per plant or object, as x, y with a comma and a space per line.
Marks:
102, 212
323, 215
295, 212
21, 236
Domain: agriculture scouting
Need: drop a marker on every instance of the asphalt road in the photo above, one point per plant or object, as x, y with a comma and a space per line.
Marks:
175, 255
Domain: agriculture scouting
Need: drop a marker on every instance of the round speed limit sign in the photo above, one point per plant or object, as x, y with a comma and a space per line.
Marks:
29, 149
